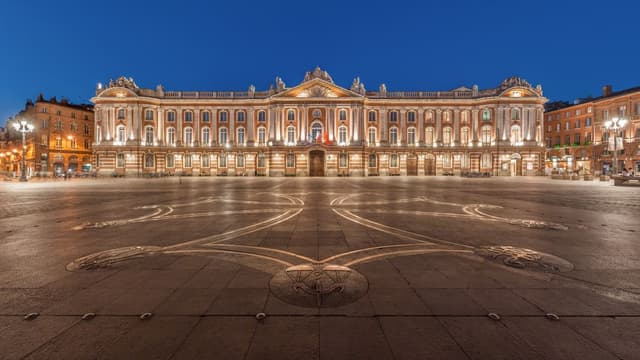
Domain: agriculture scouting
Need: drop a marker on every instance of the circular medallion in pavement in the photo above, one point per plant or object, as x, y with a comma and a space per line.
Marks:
525, 258
318, 285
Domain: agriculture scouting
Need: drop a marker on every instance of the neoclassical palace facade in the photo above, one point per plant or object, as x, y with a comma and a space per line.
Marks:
318, 128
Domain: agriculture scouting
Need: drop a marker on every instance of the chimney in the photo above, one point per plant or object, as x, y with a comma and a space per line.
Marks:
606, 90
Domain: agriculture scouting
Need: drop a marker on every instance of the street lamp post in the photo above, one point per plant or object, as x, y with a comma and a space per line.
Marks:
615, 124
23, 127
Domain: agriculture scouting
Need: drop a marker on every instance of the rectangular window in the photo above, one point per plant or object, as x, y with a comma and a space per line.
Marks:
262, 116
171, 116
59, 125
577, 124
240, 116
188, 116
43, 140
372, 116
393, 116
576, 139
587, 139
87, 144
187, 160
43, 124
58, 143
411, 116
148, 115
240, 161
587, 122
343, 160
578, 112
567, 125
206, 116
223, 161
120, 160
205, 160
86, 129
223, 116
171, 160
291, 160
638, 108
394, 161
567, 140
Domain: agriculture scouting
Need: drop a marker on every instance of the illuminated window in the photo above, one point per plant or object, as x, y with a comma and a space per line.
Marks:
188, 136
464, 135
262, 135
222, 138
411, 136
223, 160
515, 134
486, 115
206, 136
291, 160
291, 135
122, 134
342, 115
428, 136
58, 142
148, 135
240, 136
373, 161
343, 160
464, 161
394, 161
342, 135
171, 136
486, 135
149, 160
428, 116
372, 136
446, 135
393, 136
240, 161
446, 160
120, 160
316, 132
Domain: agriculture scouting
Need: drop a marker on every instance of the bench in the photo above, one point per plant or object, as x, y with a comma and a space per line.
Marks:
626, 180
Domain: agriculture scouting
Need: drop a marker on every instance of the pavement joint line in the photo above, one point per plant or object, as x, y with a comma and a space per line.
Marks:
273, 315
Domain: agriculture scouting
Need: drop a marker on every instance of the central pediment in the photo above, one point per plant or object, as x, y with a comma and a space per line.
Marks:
317, 88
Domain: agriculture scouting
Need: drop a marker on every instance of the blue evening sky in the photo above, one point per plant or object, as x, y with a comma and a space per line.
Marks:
63, 48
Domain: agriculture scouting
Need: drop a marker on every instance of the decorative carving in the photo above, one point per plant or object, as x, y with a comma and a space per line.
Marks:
280, 85
318, 91
318, 73
123, 82
525, 258
383, 90
514, 81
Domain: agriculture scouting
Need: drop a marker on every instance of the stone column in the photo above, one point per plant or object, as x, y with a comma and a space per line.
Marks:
160, 125
331, 126
456, 127
179, 119
214, 126
250, 127
197, 138
403, 127
438, 126
420, 130
384, 139
499, 124
271, 123
474, 121
302, 123
232, 126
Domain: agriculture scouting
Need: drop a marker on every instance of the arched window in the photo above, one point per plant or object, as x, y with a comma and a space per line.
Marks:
515, 134
291, 115
171, 136
446, 135
240, 116
373, 160
411, 116
262, 136
291, 135
342, 135
188, 116
342, 115
240, 136
428, 136
316, 131
206, 116
486, 135
120, 114
122, 134
148, 115
148, 135
171, 160
262, 116
372, 116
240, 161
149, 161
486, 115
411, 136
171, 116
515, 114
393, 136
372, 136
464, 136
486, 161
222, 139
188, 136
206, 136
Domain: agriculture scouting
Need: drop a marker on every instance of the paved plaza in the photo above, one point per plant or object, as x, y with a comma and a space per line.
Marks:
330, 268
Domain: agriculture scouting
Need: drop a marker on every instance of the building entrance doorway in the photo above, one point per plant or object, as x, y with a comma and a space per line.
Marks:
429, 165
316, 163
412, 165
